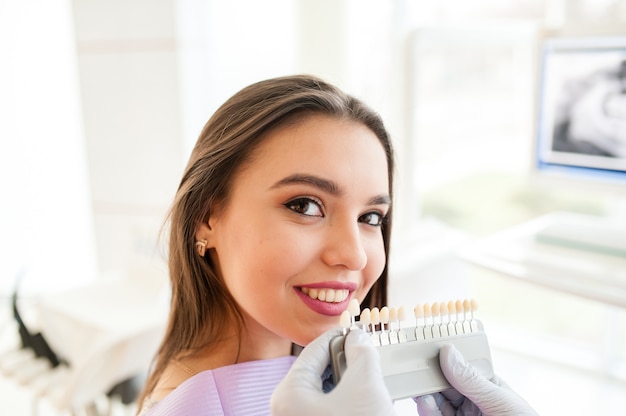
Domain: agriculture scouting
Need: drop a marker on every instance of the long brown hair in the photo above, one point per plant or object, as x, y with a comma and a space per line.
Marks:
201, 306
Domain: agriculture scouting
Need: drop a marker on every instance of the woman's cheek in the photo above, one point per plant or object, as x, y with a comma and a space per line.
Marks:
375, 266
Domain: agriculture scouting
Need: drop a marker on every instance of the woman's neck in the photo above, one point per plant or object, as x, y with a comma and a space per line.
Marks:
254, 343
260, 344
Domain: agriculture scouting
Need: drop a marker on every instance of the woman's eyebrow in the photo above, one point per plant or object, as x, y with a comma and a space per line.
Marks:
380, 200
327, 186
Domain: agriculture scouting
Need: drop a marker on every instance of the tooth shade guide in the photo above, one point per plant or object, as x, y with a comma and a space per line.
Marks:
446, 319
410, 366
450, 316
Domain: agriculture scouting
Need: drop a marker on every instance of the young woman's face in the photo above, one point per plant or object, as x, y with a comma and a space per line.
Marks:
301, 232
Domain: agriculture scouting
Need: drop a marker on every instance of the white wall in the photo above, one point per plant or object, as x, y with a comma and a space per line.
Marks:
46, 222
127, 60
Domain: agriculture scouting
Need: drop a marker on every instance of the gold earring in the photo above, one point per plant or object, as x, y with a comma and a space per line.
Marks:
201, 247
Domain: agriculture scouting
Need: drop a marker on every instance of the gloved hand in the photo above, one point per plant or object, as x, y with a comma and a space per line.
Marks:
472, 394
361, 390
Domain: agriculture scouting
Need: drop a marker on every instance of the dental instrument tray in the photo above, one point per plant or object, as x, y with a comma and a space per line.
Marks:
409, 355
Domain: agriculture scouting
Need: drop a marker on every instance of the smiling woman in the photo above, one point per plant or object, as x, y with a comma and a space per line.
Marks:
282, 217
299, 216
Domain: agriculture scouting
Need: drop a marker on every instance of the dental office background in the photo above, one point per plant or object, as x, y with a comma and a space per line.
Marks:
101, 102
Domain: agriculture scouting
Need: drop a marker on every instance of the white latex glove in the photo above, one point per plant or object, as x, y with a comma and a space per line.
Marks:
361, 390
472, 394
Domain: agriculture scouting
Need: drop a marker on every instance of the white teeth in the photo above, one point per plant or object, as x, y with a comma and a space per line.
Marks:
327, 295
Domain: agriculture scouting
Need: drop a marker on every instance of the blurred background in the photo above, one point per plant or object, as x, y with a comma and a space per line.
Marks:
102, 101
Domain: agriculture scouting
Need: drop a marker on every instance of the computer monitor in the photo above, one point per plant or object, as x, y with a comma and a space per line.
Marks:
581, 120
581, 137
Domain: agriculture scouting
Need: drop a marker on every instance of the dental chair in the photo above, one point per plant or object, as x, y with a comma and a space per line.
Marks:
94, 347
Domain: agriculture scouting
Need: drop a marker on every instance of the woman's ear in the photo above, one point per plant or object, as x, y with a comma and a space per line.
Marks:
206, 231
205, 235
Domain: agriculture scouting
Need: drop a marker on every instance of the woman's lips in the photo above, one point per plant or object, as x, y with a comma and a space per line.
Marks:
327, 298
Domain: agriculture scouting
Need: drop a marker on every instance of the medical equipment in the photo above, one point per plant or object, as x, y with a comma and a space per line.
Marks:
409, 355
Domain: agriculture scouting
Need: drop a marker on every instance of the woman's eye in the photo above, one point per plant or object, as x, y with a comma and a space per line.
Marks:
305, 206
372, 218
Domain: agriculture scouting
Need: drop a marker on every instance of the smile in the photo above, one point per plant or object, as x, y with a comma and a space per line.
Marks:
326, 294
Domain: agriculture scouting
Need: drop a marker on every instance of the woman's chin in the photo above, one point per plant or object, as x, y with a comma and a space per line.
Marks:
305, 339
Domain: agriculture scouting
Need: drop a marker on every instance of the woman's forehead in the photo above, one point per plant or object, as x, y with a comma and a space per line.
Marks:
322, 144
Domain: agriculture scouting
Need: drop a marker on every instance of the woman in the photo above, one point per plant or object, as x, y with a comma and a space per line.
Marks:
282, 217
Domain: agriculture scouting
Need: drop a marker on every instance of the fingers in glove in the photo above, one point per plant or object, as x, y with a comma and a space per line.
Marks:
359, 347
428, 405
315, 357
487, 397
462, 375
490, 397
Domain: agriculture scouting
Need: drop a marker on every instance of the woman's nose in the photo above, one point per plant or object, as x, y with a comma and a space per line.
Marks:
344, 246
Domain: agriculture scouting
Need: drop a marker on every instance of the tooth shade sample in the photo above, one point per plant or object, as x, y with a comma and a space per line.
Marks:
427, 311
384, 315
393, 314
345, 320
354, 307
365, 318
375, 316
401, 313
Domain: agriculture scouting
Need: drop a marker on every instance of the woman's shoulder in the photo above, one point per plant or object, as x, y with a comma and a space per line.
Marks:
243, 388
146, 406
173, 376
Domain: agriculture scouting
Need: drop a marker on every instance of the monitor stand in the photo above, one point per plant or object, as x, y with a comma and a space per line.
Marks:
602, 234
